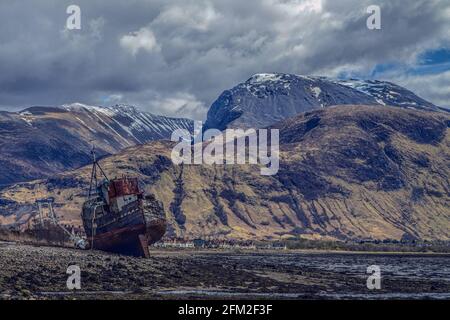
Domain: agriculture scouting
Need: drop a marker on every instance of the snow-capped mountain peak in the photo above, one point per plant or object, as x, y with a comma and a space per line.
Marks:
129, 122
46, 140
264, 77
266, 98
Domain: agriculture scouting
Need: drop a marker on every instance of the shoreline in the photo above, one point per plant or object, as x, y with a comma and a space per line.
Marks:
299, 251
40, 272
248, 251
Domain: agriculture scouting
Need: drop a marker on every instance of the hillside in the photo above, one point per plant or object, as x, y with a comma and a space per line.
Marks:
346, 172
41, 141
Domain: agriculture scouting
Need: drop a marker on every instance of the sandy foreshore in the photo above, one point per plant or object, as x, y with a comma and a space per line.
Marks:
29, 272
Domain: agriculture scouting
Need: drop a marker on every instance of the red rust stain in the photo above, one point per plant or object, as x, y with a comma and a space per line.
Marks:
123, 187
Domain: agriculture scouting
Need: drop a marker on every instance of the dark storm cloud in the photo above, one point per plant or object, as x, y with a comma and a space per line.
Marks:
176, 57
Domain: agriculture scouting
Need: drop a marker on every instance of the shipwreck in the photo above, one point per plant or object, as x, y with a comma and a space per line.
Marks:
118, 217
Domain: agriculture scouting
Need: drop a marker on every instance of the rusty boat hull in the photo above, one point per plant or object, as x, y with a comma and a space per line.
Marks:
130, 240
120, 219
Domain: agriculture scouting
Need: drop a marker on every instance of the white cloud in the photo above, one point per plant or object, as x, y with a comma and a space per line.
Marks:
181, 104
433, 87
296, 7
197, 15
144, 39
195, 49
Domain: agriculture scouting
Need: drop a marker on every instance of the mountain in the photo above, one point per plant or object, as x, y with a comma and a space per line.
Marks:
346, 172
388, 94
265, 99
41, 141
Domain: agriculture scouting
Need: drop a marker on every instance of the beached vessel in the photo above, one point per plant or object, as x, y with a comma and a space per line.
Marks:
119, 218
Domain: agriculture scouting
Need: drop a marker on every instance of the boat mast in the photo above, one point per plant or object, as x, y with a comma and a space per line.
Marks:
94, 180
95, 165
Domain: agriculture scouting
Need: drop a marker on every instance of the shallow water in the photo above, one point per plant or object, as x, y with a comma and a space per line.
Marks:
409, 266
398, 268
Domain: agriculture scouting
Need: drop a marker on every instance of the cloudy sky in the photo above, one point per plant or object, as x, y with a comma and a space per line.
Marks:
176, 57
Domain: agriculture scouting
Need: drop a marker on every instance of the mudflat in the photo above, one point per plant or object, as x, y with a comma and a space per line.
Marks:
31, 272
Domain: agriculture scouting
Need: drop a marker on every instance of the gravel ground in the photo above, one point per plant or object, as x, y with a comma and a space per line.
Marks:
28, 272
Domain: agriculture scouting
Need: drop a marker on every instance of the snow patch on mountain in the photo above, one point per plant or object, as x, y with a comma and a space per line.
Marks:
127, 121
264, 77
316, 91
388, 93
266, 98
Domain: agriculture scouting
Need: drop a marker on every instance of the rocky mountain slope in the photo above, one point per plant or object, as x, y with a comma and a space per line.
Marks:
40, 141
265, 99
346, 172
